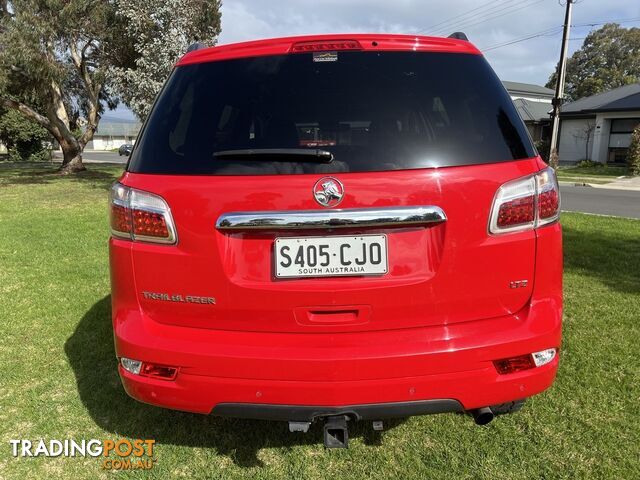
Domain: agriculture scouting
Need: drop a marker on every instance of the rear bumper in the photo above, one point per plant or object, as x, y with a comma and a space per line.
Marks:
346, 370
270, 375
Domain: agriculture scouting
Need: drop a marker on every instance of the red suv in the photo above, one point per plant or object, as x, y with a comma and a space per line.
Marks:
336, 228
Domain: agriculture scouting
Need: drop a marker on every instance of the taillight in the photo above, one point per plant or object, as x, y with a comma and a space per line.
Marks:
140, 216
548, 196
326, 45
526, 203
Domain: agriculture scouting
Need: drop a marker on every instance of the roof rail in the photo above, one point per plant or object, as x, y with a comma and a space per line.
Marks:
196, 46
459, 36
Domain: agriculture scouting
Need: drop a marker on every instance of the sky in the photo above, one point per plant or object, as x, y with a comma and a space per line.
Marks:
487, 23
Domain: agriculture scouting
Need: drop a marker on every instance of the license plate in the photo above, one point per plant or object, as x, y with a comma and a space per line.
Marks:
331, 256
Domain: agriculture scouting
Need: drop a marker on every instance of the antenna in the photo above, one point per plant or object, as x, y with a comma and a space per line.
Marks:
459, 36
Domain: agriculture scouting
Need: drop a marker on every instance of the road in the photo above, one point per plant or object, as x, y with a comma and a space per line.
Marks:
602, 201
103, 157
92, 156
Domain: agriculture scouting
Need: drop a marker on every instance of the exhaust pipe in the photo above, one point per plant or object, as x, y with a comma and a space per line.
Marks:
482, 416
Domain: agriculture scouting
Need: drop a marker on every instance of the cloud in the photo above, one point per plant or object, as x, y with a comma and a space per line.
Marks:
487, 23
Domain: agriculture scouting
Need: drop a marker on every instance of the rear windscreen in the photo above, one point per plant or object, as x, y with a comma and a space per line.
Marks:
373, 111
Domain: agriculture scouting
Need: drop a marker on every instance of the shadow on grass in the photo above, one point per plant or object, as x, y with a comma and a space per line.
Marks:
610, 256
41, 174
91, 355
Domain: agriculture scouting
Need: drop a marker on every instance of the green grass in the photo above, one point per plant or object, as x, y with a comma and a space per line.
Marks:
58, 377
597, 171
590, 174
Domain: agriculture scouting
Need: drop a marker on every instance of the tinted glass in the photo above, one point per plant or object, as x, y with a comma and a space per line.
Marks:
374, 111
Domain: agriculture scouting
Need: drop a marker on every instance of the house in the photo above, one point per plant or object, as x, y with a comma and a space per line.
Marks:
533, 103
599, 127
114, 131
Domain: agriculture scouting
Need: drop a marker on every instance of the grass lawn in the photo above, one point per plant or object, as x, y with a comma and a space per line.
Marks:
58, 375
596, 174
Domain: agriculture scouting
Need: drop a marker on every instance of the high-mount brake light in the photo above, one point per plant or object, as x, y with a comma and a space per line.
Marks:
526, 203
140, 216
325, 45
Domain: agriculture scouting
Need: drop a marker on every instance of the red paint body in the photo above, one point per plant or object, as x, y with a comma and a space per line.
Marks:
429, 329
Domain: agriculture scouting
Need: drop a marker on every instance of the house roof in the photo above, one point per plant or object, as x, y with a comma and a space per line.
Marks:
119, 128
532, 111
619, 99
527, 89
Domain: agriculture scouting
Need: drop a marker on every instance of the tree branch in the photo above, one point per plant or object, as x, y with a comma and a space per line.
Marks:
80, 61
92, 120
27, 111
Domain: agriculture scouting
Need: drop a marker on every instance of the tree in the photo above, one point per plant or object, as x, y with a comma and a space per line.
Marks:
633, 154
160, 38
586, 134
54, 53
609, 58
60, 55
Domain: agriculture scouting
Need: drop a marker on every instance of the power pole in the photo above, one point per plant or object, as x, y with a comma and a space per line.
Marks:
562, 67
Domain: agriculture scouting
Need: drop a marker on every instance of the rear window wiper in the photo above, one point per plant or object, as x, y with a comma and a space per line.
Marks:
281, 154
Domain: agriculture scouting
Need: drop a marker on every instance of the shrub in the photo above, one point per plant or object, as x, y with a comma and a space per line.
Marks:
23, 138
633, 155
589, 164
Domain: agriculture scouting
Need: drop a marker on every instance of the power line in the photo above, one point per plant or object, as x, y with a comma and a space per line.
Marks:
619, 20
497, 14
550, 32
456, 17
496, 9
543, 33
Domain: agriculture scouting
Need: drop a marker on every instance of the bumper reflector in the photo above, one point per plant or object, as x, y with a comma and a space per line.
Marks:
524, 362
145, 369
514, 364
158, 371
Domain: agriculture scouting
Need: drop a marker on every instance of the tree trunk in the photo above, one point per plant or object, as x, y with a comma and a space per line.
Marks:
72, 159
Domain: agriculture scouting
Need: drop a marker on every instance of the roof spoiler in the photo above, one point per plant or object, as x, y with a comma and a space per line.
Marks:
459, 36
196, 46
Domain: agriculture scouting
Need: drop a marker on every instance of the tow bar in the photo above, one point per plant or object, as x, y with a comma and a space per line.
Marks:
336, 434
335, 429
